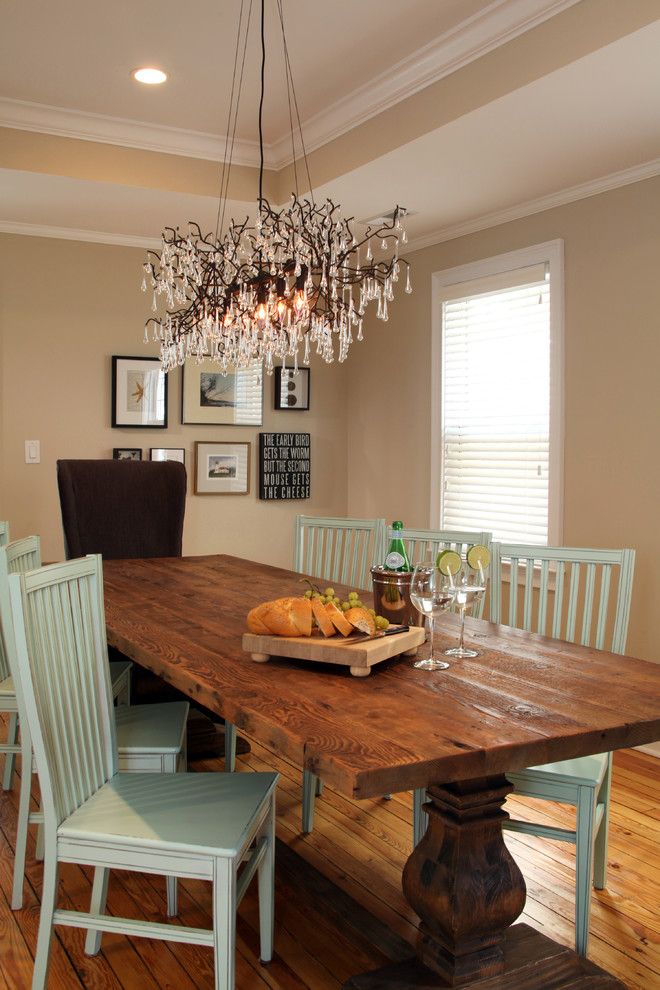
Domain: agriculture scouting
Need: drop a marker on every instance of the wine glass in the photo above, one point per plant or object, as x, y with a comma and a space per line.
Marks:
431, 592
469, 588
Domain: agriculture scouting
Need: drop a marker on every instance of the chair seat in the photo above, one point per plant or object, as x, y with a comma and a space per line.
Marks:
588, 770
201, 812
7, 688
151, 728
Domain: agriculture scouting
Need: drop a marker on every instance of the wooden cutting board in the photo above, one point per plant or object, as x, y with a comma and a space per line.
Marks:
355, 652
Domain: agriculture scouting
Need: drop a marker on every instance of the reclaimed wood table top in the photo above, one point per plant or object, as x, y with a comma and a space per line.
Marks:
525, 700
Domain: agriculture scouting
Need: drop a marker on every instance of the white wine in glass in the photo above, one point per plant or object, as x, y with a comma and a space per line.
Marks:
470, 587
431, 592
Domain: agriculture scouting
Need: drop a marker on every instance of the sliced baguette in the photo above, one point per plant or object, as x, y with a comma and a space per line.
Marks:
322, 618
338, 620
361, 620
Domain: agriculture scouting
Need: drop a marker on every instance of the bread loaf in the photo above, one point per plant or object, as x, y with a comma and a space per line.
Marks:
282, 617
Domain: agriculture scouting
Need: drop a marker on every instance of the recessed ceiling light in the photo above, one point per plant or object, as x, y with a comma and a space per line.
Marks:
149, 75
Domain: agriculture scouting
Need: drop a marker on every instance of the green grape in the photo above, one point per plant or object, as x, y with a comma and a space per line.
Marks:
336, 601
345, 606
359, 604
308, 593
316, 595
353, 595
329, 592
372, 612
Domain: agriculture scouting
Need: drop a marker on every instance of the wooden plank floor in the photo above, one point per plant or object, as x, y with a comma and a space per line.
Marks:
339, 906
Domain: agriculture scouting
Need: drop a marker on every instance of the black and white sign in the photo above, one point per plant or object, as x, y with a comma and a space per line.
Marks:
283, 466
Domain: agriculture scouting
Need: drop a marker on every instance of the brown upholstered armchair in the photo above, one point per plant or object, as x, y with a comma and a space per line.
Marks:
122, 509
127, 509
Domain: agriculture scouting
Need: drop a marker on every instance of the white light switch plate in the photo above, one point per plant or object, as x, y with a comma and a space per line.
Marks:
32, 452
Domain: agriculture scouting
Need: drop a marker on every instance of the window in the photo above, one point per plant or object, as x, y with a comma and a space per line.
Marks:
497, 395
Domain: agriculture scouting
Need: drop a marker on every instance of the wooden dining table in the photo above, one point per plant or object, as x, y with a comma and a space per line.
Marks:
525, 700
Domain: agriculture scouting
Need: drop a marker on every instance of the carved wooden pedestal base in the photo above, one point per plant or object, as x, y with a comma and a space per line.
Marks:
467, 889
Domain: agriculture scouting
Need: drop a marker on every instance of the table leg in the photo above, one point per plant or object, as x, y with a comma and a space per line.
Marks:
467, 890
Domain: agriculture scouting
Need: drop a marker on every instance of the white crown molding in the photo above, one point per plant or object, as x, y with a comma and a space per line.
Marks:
71, 234
583, 191
124, 133
499, 23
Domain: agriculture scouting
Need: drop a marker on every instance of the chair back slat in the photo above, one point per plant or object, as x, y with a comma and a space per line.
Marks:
15, 558
588, 607
529, 589
422, 543
543, 595
338, 550
572, 601
559, 599
513, 599
60, 634
588, 603
603, 601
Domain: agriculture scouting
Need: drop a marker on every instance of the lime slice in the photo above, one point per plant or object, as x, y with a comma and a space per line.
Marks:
478, 557
448, 562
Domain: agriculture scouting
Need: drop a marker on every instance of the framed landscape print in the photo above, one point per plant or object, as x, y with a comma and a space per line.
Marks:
139, 393
167, 454
234, 399
292, 388
127, 453
222, 468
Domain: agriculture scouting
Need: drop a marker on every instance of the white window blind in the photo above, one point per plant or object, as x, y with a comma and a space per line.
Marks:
495, 405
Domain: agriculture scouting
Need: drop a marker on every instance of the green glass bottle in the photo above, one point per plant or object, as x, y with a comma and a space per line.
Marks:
397, 558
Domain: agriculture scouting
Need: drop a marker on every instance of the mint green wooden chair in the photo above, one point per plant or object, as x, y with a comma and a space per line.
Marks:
585, 609
339, 550
150, 738
202, 825
419, 543
335, 550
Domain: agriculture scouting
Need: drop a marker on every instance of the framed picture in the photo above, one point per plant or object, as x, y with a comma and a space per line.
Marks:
292, 388
139, 393
127, 453
222, 468
167, 454
209, 396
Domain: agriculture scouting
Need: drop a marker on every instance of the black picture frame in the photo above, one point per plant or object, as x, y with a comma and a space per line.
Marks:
139, 393
292, 389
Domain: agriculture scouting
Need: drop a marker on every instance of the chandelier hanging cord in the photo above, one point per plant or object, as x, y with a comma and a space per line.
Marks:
261, 102
228, 160
289, 74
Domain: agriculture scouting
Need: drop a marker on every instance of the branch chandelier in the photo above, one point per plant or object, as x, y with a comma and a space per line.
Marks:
298, 277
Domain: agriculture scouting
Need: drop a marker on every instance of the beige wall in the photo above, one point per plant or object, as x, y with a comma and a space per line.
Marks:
65, 308
612, 399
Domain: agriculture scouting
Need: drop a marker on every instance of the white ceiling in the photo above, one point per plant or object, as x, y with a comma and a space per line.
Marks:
590, 125
79, 55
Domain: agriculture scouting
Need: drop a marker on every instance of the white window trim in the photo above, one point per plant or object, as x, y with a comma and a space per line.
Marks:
551, 252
